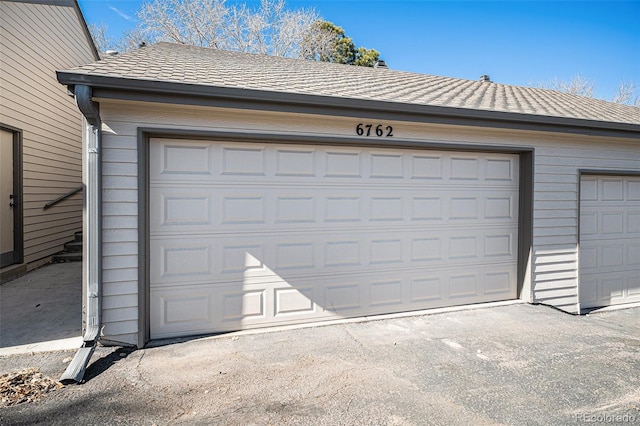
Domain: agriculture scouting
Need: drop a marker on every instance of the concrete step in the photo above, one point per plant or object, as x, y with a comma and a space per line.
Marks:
73, 247
72, 250
67, 257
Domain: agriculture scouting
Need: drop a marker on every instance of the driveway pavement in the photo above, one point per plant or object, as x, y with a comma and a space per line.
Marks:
518, 364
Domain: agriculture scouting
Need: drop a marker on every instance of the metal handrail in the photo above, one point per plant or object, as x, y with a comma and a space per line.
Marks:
63, 197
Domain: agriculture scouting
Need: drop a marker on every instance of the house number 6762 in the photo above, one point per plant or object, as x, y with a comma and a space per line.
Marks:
379, 130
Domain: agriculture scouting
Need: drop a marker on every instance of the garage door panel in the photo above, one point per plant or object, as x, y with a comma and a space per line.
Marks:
247, 305
190, 160
191, 209
588, 290
243, 209
498, 206
298, 162
175, 310
633, 289
179, 260
609, 288
343, 297
501, 169
588, 224
612, 189
633, 224
244, 161
463, 167
186, 261
609, 235
500, 245
203, 308
173, 159
490, 280
386, 293
498, 282
180, 209
386, 165
343, 164
218, 258
426, 289
464, 284
253, 235
606, 255
612, 225
294, 301
633, 254
633, 190
292, 208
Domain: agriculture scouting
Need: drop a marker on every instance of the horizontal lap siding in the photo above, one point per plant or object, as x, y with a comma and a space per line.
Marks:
36, 40
556, 214
554, 262
120, 235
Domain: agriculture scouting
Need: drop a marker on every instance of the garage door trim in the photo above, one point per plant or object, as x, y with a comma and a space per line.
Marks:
525, 211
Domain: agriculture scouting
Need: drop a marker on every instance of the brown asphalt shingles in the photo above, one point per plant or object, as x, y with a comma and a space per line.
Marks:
176, 63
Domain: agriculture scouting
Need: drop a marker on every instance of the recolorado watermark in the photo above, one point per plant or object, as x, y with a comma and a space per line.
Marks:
606, 418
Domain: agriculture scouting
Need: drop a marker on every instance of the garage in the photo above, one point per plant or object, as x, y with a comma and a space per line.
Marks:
228, 191
609, 240
248, 235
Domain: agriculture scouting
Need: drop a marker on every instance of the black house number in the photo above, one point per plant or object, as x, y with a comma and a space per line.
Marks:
379, 130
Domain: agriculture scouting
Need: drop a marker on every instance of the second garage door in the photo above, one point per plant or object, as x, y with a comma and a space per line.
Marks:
254, 235
609, 240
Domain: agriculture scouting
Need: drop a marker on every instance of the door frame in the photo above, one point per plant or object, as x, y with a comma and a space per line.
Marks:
18, 226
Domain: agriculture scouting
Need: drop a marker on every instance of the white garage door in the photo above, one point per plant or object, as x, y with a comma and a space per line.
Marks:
253, 235
609, 240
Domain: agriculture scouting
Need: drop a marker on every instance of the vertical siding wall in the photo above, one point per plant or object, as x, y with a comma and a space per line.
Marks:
36, 40
558, 158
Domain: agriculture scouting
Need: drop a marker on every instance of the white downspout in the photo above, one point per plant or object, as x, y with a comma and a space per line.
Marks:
92, 233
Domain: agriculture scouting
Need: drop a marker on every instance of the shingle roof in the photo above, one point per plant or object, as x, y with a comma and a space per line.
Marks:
176, 63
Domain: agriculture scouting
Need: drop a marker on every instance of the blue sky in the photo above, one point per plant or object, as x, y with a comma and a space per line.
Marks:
515, 42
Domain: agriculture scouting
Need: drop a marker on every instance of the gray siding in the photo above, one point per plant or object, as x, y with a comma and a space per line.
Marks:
36, 40
558, 158
556, 214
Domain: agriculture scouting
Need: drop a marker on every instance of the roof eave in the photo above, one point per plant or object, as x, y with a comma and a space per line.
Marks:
115, 87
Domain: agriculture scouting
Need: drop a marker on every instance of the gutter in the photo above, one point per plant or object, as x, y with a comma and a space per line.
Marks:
92, 215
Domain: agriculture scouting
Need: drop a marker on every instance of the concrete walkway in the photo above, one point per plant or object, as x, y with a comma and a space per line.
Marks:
42, 310
518, 364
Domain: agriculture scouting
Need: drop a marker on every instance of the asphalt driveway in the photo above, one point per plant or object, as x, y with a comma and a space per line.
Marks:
517, 364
